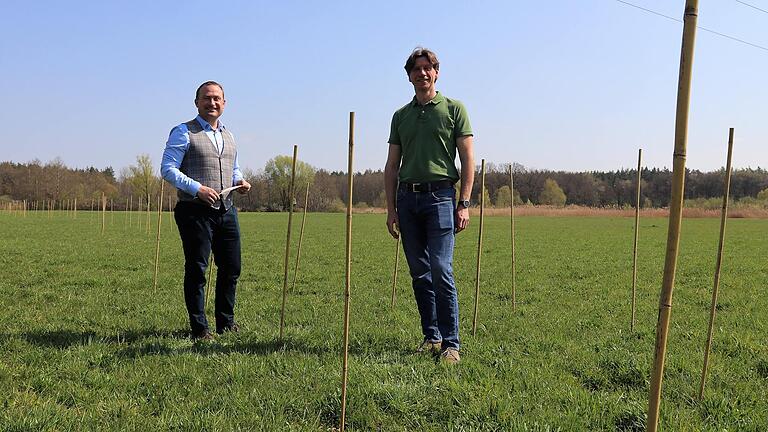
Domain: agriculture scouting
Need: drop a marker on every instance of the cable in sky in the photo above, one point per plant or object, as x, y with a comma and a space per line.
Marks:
699, 27
752, 6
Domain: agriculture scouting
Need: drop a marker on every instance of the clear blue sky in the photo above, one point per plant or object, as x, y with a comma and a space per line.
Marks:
566, 85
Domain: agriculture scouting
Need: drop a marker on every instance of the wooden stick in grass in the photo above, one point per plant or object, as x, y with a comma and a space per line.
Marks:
479, 246
288, 240
675, 212
111, 211
130, 211
157, 242
208, 281
301, 237
634, 245
348, 276
125, 220
713, 307
149, 212
394, 276
103, 212
512, 232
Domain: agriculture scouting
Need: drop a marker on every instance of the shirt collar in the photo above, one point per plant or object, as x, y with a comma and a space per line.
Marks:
207, 126
435, 100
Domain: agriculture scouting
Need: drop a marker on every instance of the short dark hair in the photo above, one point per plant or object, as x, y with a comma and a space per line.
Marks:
421, 52
207, 83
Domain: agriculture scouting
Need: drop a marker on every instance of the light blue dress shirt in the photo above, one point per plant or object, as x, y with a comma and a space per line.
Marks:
176, 147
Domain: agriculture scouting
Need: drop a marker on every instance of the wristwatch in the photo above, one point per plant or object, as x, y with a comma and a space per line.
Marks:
464, 203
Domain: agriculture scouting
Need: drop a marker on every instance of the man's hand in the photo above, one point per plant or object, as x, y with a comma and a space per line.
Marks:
393, 224
462, 218
246, 186
207, 195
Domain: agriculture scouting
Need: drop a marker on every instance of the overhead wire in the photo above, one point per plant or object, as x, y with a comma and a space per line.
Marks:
699, 27
752, 6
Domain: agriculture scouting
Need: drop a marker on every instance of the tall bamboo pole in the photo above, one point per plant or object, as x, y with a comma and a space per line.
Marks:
348, 275
288, 240
75, 209
170, 212
130, 211
103, 212
713, 307
675, 211
479, 246
394, 275
125, 219
138, 213
210, 275
157, 242
634, 245
149, 212
111, 211
512, 232
301, 237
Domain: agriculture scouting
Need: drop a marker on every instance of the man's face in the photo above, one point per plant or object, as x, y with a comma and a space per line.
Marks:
210, 103
423, 75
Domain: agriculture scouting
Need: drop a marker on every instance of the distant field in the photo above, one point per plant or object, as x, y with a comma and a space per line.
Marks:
85, 343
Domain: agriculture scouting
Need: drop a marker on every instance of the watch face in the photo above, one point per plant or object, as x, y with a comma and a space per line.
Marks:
464, 203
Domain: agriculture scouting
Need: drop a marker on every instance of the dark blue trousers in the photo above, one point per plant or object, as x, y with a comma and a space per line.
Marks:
203, 229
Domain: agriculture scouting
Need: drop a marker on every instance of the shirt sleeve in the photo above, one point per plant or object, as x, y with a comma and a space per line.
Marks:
175, 148
394, 136
237, 175
461, 121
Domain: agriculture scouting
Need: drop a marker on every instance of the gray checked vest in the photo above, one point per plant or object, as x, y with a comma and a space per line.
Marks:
203, 163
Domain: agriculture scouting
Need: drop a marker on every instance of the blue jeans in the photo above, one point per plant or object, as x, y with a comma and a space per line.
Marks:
427, 232
203, 229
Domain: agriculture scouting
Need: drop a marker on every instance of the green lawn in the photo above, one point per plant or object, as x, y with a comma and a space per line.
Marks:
86, 344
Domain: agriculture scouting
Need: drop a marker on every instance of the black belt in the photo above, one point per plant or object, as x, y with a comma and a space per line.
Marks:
426, 187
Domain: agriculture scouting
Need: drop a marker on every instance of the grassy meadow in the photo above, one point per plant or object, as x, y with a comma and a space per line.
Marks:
87, 344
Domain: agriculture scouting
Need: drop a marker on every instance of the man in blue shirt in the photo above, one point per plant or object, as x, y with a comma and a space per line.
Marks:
200, 160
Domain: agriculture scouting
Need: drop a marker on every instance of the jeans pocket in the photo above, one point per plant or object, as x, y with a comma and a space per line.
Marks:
447, 194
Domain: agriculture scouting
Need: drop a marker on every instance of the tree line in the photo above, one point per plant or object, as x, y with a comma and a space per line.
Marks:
54, 181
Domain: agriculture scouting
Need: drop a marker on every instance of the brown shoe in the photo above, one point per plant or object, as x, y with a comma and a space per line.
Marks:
204, 335
429, 346
234, 328
450, 356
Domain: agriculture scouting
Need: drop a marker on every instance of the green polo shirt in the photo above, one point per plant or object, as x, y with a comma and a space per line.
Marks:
427, 138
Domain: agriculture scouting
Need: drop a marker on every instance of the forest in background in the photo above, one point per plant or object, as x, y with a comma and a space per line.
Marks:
54, 181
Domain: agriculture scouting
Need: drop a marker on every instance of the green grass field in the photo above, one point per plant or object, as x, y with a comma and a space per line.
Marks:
85, 343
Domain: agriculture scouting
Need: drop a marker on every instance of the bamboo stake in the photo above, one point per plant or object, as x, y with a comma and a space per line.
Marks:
170, 212
111, 211
157, 243
675, 212
479, 246
713, 308
512, 234
394, 276
301, 237
125, 219
130, 211
103, 212
348, 275
288, 240
149, 210
210, 275
138, 213
75, 209
634, 246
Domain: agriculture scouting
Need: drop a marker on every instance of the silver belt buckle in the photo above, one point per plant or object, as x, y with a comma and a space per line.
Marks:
414, 187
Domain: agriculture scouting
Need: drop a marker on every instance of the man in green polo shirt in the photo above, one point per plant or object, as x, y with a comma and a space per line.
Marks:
419, 180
